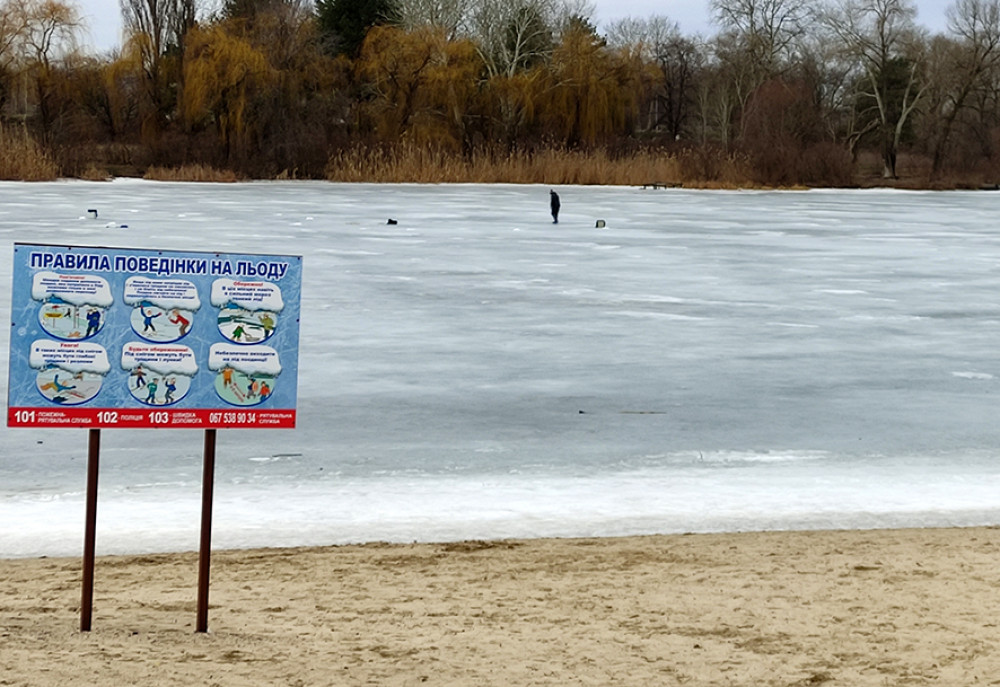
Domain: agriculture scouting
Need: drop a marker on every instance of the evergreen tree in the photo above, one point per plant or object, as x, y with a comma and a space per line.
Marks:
345, 23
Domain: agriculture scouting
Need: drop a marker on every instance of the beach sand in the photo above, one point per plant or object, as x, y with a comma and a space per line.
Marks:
890, 607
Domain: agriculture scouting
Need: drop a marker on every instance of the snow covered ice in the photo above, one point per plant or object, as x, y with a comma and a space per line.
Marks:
709, 360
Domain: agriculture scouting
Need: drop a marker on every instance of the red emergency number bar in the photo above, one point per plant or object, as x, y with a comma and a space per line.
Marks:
130, 418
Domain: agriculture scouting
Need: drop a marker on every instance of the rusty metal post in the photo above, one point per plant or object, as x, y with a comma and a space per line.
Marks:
90, 530
205, 553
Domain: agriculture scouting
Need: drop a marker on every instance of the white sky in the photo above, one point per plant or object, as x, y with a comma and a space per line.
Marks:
103, 17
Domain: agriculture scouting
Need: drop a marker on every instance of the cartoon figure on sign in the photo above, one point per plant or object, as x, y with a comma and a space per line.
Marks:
182, 322
140, 377
147, 319
151, 391
267, 322
54, 385
93, 322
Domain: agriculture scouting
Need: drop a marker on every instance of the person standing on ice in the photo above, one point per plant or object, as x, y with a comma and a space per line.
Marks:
554, 204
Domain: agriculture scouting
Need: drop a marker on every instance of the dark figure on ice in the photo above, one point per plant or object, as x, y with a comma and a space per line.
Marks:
554, 204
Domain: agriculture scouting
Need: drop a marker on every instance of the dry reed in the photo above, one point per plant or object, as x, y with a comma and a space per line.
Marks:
413, 164
194, 172
95, 173
22, 159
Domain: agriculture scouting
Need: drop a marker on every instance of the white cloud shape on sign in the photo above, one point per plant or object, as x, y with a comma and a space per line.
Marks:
250, 295
77, 289
164, 359
163, 293
250, 360
82, 356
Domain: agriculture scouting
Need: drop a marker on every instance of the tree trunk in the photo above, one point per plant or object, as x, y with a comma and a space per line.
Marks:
888, 160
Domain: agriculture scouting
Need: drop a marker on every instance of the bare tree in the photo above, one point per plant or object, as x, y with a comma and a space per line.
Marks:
887, 49
449, 15
512, 36
162, 22
757, 42
766, 30
641, 34
13, 22
969, 63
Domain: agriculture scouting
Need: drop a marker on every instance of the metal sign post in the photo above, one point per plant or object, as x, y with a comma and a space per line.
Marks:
205, 551
90, 530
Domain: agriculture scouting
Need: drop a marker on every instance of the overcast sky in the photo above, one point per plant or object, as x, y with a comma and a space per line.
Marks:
103, 17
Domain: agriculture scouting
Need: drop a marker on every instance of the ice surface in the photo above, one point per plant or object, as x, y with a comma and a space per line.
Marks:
711, 360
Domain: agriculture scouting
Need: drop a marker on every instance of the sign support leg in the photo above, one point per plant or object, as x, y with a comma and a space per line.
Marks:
90, 530
205, 553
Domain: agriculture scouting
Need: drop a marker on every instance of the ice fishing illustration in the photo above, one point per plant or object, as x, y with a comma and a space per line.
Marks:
73, 306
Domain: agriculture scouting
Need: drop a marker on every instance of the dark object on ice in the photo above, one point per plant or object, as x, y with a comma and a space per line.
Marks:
601, 224
554, 204
392, 221
93, 213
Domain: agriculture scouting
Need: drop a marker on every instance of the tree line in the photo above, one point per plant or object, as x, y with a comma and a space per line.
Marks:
802, 92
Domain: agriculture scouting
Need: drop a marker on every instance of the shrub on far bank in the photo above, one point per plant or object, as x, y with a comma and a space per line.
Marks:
22, 159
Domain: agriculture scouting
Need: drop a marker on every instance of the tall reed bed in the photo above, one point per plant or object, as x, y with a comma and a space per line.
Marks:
22, 159
195, 172
408, 163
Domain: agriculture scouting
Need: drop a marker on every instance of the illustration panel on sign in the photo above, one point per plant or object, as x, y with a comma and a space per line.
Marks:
68, 373
162, 309
158, 375
246, 376
248, 311
73, 305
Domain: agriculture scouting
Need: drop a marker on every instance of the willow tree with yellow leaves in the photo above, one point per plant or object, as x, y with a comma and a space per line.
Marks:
420, 86
592, 92
222, 75
306, 103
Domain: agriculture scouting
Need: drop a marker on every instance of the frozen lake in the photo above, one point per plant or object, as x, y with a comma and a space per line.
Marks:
707, 361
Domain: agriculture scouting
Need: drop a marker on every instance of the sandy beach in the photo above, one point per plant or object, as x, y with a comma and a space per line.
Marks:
893, 607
